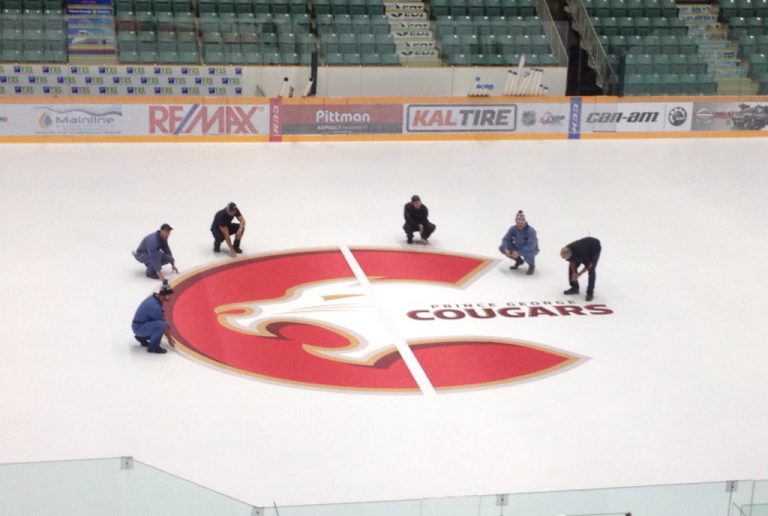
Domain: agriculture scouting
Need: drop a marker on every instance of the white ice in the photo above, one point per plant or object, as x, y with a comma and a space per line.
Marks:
674, 390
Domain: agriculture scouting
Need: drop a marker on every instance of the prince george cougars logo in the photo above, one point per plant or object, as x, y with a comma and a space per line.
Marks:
302, 317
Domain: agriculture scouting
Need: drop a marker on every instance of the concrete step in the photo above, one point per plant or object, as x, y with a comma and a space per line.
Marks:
415, 45
407, 15
698, 18
410, 25
726, 73
413, 35
403, 6
736, 86
688, 9
718, 55
418, 54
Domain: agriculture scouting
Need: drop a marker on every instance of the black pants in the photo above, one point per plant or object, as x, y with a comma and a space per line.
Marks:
591, 275
429, 228
218, 236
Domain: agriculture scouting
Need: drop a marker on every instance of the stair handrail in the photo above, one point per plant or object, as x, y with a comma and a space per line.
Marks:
553, 35
590, 42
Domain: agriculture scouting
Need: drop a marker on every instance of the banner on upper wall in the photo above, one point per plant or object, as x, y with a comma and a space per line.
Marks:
341, 119
634, 117
150, 120
278, 119
730, 116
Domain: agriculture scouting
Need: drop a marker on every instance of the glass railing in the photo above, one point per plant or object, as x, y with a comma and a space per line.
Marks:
99, 487
125, 487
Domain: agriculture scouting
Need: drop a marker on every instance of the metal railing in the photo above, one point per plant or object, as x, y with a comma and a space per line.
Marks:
556, 32
590, 42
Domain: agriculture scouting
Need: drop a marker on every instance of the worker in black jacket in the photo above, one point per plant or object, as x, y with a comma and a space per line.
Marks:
584, 252
416, 219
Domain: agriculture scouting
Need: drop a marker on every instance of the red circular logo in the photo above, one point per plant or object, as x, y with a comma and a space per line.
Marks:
305, 317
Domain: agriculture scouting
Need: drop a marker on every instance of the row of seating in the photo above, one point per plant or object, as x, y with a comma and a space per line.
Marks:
740, 26
763, 84
750, 44
33, 51
360, 23
665, 63
650, 44
217, 55
357, 44
627, 26
500, 59
481, 8
291, 43
352, 7
745, 8
633, 8
152, 6
32, 5
33, 21
252, 6
499, 26
361, 59
491, 44
670, 84
758, 64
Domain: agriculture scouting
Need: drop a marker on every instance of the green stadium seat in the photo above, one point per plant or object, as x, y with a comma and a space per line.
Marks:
353, 59
643, 25
670, 84
626, 25
758, 64
390, 60
661, 64
617, 8
696, 64
652, 8
334, 59
634, 84
678, 63
660, 25
639, 63
668, 8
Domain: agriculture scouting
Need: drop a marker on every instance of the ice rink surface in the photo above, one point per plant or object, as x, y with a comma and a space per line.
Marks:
673, 390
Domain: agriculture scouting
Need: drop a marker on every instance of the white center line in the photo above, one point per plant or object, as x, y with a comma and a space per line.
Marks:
402, 346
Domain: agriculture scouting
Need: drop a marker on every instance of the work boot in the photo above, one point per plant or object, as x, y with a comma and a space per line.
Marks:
410, 239
518, 262
590, 297
217, 247
571, 291
237, 247
144, 341
157, 350
531, 268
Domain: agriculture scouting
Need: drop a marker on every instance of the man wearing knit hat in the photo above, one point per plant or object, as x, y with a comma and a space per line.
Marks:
521, 244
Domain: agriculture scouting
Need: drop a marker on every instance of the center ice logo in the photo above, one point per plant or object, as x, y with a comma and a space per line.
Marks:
339, 306
302, 317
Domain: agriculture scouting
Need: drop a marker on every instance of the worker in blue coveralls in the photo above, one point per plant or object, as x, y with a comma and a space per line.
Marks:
149, 324
153, 251
521, 244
